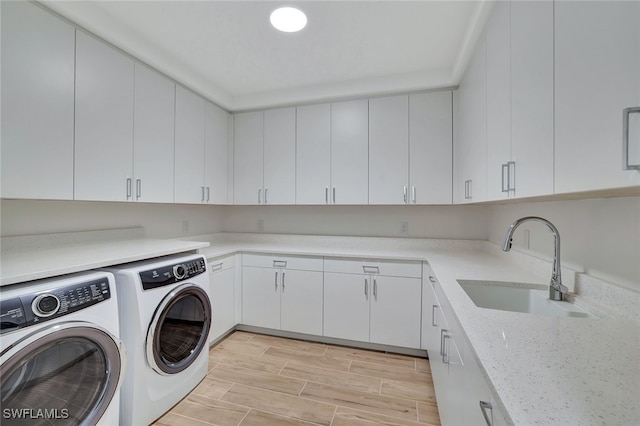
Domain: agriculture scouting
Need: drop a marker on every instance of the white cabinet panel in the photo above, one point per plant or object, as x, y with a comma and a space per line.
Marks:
349, 152
37, 103
104, 121
216, 143
430, 339
313, 154
189, 149
261, 297
499, 100
395, 311
248, 158
532, 97
301, 301
389, 150
597, 75
346, 306
279, 156
430, 148
153, 136
221, 293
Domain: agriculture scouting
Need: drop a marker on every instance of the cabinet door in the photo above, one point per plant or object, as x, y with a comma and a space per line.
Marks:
349, 152
597, 75
248, 158
261, 297
280, 156
104, 122
470, 149
153, 132
430, 148
499, 100
37, 109
431, 314
396, 311
389, 150
216, 142
313, 154
189, 152
346, 306
532, 97
222, 302
301, 301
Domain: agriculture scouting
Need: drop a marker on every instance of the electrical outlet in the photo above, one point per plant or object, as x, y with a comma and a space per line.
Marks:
404, 227
260, 225
185, 227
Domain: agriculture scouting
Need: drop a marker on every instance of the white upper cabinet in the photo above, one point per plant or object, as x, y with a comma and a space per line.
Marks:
531, 173
37, 103
189, 150
349, 152
597, 76
313, 154
470, 150
499, 101
103, 122
279, 156
153, 142
216, 147
430, 148
248, 158
389, 150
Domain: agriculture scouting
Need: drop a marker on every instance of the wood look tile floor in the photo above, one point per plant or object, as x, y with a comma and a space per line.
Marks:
262, 380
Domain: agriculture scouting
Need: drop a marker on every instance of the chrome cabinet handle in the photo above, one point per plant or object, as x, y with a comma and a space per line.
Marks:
511, 175
334, 195
442, 331
326, 195
283, 275
445, 352
405, 194
413, 194
366, 284
276, 281
202, 188
279, 263
625, 138
505, 166
375, 289
138, 189
433, 315
432, 279
259, 196
484, 406
128, 188
215, 267
467, 189
208, 193
265, 195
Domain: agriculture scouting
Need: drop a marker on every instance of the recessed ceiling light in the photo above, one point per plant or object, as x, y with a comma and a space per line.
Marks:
288, 19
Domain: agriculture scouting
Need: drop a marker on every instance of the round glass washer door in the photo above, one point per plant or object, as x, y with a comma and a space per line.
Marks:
66, 374
179, 330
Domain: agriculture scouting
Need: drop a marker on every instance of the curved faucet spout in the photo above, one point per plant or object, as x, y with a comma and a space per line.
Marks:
556, 289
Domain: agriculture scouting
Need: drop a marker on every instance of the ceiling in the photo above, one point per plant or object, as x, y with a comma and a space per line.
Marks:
228, 52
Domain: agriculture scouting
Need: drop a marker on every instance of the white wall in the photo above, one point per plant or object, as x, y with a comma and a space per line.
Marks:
600, 236
26, 217
456, 222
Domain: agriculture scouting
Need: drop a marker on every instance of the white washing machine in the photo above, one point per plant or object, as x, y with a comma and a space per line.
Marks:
61, 360
165, 317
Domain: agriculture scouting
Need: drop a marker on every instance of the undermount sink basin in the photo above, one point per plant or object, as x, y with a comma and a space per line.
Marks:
507, 297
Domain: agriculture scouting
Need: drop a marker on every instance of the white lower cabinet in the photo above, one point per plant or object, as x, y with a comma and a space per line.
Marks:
362, 303
222, 295
277, 294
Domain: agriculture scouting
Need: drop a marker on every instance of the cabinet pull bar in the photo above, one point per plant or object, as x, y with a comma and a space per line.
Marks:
405, 194
433, 315
208, 193
128, 188
279, 263
445, 352
625, 138
505, 166
511, 177
484, 406
276, 281
326, 195
442, 331
368, 269
375, 289
138, 189
432, 279
215, 267
413, 194
366, 284
334, 195
283, 275
265, 195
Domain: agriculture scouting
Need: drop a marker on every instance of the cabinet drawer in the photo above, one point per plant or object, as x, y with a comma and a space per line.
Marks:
303, 263
393, 268
217, 264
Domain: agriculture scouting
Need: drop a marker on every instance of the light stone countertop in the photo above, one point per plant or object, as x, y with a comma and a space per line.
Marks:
543, 370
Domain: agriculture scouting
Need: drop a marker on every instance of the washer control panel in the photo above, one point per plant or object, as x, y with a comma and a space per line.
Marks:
171, 274
31, 309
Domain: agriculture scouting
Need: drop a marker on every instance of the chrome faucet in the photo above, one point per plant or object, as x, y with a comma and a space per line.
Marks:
556, 288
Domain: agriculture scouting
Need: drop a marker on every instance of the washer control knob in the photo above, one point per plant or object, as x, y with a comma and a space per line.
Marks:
179, 271
45, 305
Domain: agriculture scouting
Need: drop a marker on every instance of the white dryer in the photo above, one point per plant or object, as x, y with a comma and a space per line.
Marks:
61, 360
165, 317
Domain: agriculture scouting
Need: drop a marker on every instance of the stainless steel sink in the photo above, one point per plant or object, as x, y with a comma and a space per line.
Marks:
519, 298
